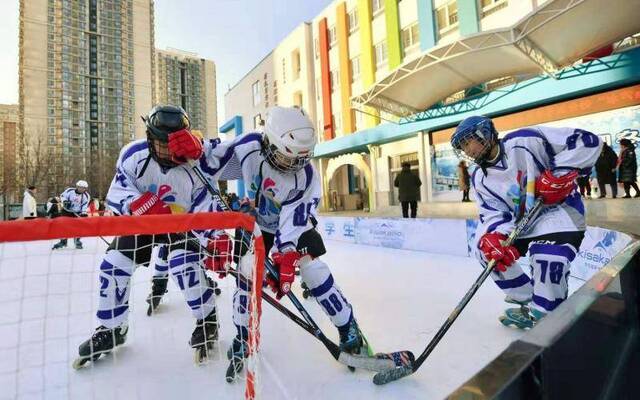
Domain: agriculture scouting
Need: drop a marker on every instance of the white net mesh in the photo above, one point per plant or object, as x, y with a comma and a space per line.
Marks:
52, 301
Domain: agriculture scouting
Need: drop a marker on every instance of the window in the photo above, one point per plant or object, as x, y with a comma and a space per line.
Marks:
355, 68
316, 50
297, 99
332, 36
410, 36
377, 6
490, 6
295, 64
335, 80
353, 20
447, 16
380, 50
257, 121
255, 89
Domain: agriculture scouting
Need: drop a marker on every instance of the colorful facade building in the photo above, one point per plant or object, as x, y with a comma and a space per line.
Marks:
391, 78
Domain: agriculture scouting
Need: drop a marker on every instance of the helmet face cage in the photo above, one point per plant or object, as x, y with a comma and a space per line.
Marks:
483, 134
161, 122
282, 162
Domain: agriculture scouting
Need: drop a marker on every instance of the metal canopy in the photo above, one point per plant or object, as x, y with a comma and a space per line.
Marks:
553, 36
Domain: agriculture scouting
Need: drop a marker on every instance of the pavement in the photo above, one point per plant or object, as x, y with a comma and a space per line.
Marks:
618, 214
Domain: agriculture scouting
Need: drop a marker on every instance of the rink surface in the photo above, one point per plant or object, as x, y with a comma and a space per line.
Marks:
400, 299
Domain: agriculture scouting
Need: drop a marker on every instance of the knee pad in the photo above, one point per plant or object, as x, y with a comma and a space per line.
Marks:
314, 272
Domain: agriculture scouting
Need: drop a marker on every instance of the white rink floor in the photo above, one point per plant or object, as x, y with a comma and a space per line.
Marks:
400, 299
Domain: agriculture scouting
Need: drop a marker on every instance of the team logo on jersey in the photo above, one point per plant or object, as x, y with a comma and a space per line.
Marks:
268, 192
168, 195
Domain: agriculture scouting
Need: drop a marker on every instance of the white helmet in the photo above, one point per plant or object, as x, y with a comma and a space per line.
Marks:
289, 138
82, 184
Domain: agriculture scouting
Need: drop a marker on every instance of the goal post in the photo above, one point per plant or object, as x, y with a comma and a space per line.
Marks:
49, 297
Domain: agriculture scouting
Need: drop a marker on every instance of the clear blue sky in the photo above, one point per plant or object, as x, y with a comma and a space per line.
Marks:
235, 34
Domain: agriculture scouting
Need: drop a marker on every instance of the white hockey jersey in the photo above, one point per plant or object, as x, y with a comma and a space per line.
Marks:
504, 191
137, 172
284, 202
75, 202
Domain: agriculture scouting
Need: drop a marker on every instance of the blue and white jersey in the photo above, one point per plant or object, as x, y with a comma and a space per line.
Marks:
284, 201
75, 202
505, 190
137, 172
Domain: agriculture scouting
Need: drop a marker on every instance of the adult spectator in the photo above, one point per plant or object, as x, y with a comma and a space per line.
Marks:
606, 171
464, 180
627, 168
408, 185
29, 206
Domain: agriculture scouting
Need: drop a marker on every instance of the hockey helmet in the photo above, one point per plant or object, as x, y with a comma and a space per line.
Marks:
473, 139
289, 139
82, 185
162, 121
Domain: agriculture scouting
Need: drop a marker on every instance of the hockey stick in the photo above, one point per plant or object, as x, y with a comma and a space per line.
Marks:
379, 362
385, 377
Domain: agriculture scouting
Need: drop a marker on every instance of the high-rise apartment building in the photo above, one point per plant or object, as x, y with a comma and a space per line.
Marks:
186, 80
9, 152
85, 77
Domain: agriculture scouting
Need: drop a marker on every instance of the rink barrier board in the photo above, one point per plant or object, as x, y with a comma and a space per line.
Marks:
444, 236
588, 348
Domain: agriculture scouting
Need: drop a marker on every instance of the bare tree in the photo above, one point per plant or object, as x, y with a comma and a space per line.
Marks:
36, 161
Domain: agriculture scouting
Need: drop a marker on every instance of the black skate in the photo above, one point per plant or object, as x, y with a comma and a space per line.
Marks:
78, 244
352, 340
237, 353
103, 341
158, 289
214, 285
204, 337
306, 292
61, 244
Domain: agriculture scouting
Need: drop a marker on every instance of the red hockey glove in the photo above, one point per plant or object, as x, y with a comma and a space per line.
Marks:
554, 190
492, 247
184, 145
149, 203
222, 250
286, 264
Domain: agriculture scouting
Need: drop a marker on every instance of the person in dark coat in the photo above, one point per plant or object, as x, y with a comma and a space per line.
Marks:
585, 185
408, 185
464, 180
606, 171
627, 168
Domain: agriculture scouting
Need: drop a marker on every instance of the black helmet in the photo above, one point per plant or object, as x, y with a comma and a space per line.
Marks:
162, 121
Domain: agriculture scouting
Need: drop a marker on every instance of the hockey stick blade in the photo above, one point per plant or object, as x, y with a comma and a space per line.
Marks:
384, 377
379, 362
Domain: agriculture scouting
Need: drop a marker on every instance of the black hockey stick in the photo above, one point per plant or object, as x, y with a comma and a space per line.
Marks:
387, 376
80, 216
379, 362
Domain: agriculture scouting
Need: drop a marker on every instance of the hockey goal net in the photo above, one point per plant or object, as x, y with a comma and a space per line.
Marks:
51, 302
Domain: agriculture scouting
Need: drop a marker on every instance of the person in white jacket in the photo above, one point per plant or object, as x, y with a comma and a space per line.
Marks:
29, 203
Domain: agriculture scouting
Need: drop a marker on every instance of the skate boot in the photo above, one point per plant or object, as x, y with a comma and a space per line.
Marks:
78, 243
523, 317
204, 337
306, 292
351, 339
103, 341
236, 354
158, 289
61, 244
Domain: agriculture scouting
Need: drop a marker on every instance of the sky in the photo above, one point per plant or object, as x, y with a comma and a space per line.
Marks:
235, 34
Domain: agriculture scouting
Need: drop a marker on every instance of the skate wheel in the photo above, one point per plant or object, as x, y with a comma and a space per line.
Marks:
217, 292
305, 294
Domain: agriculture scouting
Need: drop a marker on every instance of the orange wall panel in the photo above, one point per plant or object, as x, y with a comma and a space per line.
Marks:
325, 80
342, 32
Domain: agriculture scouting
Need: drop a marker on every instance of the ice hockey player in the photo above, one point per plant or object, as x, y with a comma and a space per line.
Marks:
285, 189
149, 181
74, 204
528, 163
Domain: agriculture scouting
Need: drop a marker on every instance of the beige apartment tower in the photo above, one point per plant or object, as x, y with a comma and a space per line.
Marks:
85, 76
186, 80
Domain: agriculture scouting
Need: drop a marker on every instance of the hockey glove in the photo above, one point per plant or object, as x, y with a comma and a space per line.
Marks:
222, 250
492, 247
184, 145
554, 190
149, 203
286, 264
